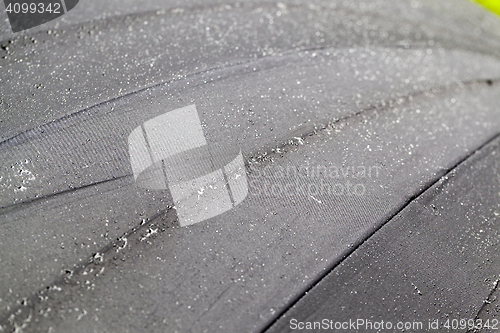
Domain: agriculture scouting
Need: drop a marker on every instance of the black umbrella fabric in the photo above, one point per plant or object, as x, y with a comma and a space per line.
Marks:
223, 166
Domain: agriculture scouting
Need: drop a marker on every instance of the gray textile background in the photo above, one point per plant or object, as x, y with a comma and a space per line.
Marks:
409, 90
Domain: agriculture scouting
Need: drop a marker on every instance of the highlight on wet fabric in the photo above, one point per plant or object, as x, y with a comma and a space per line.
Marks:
170, 152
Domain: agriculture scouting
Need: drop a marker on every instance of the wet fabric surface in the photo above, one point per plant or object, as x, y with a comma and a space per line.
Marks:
436, 260
342, 114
